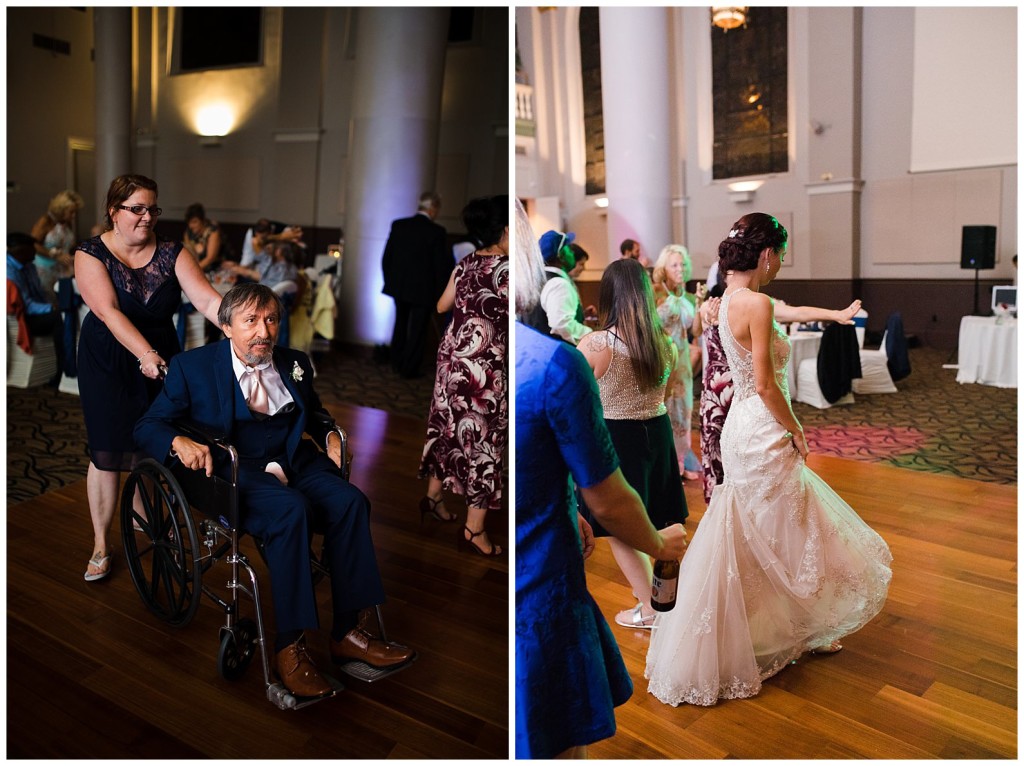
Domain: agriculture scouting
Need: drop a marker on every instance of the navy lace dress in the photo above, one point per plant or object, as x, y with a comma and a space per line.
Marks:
569, 673
114, 393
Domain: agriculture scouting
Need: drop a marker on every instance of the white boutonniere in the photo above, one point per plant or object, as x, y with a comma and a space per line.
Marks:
297, 373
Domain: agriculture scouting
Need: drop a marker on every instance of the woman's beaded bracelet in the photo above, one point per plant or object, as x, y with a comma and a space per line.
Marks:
151, 351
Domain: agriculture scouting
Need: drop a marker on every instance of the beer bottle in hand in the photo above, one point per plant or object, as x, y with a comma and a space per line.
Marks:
663, 589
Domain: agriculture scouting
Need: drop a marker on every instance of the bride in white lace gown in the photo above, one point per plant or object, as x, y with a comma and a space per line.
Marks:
780, 564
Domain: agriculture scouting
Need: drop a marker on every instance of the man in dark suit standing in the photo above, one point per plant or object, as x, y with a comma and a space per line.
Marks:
417, 264
260, 397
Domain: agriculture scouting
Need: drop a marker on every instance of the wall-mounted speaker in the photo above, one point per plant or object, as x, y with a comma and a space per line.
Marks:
978, 247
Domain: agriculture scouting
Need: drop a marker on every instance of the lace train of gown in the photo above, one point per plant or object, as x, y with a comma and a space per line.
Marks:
779, 564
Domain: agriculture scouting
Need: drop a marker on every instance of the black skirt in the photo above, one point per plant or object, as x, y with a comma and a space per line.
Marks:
647, 457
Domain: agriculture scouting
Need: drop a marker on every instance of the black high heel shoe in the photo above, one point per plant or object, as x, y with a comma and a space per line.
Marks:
494, 551
428, 507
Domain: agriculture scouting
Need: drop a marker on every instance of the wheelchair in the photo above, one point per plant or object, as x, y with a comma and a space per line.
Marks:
167, 554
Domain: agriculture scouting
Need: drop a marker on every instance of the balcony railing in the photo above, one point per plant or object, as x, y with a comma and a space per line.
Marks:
525, 125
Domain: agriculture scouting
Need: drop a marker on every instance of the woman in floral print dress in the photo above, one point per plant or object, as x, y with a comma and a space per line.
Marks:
468, 423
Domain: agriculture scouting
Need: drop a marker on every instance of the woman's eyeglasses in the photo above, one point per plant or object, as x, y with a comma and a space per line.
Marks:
142, 209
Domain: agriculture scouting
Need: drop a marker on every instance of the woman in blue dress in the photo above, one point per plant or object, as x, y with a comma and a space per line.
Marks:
569, 673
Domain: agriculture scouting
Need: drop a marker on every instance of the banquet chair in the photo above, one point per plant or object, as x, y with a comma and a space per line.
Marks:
287, 291
860, 324
191, 326
896, 347
73, 311
826, 381
30, 361
875, 377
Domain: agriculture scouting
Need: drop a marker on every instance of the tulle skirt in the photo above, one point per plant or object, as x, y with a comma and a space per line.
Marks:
764, 580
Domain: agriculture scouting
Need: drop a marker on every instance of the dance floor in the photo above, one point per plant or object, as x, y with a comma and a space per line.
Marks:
933, 676
91, 674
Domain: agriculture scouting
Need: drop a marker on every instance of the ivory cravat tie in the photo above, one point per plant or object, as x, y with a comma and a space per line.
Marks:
260, 402
258, 399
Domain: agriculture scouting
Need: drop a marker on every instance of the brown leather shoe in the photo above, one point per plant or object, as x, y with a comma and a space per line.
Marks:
297, 672
360, 645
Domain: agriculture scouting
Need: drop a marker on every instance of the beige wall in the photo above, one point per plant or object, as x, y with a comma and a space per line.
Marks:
49, 102
287, 155
852, 72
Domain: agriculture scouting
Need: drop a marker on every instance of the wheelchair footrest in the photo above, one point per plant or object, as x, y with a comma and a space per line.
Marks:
363, 671
285, 700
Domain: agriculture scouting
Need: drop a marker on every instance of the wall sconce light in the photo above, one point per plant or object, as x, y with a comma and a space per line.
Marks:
743, 191
213, 122
601, 202
335, 251
728, 16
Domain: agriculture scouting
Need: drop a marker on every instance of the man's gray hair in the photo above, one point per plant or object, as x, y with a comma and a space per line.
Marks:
249, 293
429, 201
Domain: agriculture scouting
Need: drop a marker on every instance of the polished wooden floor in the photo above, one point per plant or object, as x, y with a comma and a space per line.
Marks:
933, 676
91, 674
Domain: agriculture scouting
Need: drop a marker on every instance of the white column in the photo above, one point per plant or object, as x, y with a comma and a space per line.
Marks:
112, 30
637, 140
392, 158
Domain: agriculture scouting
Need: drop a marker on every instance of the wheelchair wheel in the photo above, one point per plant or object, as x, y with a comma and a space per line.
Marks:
237, 648
162, 557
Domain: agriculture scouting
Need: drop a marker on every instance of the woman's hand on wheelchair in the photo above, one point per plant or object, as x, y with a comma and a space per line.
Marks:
192, 454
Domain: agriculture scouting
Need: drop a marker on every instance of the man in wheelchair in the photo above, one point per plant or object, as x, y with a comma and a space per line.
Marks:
260, 397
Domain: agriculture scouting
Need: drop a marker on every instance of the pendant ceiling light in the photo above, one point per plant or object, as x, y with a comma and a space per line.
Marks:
728, 16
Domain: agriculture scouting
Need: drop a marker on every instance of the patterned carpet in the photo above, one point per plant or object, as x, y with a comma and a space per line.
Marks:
933, 424
46, 434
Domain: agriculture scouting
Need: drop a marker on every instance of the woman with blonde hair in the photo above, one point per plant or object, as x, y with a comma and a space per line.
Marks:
679, 314
632, 359
54, 237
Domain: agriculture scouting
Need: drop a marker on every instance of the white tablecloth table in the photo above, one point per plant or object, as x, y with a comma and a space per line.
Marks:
988, 352
805, 346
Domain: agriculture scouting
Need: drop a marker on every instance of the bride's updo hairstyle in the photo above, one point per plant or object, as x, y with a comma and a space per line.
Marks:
748, 237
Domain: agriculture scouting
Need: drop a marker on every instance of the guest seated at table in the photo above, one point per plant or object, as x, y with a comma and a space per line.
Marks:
285, 483
202, 238
272, 266
267, 232
40, 315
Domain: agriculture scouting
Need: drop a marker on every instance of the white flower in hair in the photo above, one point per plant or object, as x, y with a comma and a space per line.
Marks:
297, 372
734, 232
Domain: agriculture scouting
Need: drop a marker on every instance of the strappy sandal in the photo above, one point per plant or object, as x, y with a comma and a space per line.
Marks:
428, 507
100, 561
494, 551
634, 618
832, 648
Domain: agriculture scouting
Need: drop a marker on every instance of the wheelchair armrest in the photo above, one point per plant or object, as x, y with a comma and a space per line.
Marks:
199, 432
214, 496
205, 435
346, 458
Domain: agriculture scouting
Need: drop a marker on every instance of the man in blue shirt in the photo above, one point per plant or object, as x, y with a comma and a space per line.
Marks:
40, 314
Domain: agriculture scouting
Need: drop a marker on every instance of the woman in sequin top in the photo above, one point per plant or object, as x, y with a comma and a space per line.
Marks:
633, 358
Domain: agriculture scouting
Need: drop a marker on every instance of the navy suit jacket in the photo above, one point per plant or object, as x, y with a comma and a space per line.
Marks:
200, 388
